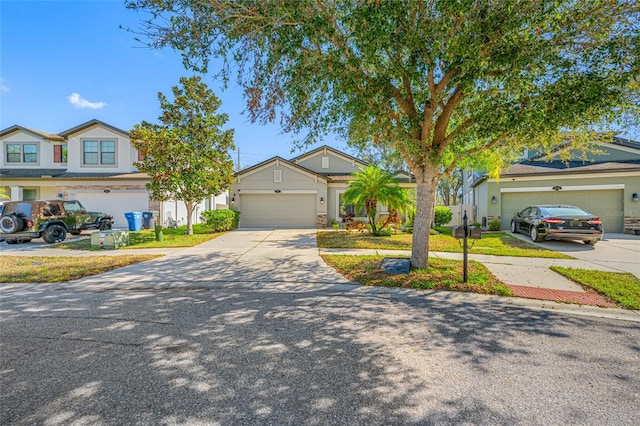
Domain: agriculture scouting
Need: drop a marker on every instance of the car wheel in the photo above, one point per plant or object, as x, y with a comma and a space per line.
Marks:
533, 233
590, 242
54, 234
11, 224
514, 228
75, 232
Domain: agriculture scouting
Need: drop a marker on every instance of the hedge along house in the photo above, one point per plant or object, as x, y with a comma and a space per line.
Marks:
606, 183
302, 192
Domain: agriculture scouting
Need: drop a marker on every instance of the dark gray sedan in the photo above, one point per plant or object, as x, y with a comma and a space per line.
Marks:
553, 222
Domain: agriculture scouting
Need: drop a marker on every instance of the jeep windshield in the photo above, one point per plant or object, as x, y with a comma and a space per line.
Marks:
73, 206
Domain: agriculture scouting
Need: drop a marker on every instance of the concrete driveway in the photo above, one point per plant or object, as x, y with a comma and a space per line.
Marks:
616, 252
248, 256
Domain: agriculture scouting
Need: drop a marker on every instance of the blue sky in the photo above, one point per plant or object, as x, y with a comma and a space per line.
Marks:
66, 62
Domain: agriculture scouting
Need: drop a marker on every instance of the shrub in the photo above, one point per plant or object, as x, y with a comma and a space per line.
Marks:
443, 215
335, 224
494, 225
386, 232
221, 220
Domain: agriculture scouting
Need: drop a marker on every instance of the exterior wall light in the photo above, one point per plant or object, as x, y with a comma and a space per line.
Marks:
106, 191
322, 199
233, 200
557, 188
635, 197
494, 200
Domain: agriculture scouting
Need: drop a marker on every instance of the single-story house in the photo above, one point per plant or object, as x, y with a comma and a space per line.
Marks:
305, 191
92, 162
605, 183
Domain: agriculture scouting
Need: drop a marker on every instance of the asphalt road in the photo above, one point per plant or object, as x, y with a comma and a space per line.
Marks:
286, 353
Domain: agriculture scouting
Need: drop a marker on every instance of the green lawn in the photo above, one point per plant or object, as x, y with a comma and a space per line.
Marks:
21, 269
441, 274
623, 288
498, 244
145, 238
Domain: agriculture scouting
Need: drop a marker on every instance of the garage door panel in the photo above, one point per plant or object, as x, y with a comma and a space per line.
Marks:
277, 210
114, 203
606, 204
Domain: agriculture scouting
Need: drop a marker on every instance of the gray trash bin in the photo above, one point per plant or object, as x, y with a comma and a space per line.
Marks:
149, 219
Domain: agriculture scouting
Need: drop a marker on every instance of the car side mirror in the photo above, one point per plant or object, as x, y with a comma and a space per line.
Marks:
517, 214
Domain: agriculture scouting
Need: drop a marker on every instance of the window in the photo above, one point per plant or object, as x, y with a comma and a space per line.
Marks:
52, 210
72, 206
22, 153
325, 162
277, 175
60, 153
29, 194
349, 208
98, 152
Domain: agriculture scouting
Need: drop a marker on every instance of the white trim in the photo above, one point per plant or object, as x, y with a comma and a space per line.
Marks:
282, 191
620, 148
566, 175
277, 175
283, 165
564, 188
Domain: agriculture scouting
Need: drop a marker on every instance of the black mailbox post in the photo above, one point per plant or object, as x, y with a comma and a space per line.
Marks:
463, 233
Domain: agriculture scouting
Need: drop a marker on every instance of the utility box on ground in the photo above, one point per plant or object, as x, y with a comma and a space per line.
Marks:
112, 239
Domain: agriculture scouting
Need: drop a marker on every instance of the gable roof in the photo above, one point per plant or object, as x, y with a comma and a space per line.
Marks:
16, 128
258, 166
90, 123
333, 151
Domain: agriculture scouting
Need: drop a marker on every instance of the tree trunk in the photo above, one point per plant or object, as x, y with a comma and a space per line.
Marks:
425, 210
190, 206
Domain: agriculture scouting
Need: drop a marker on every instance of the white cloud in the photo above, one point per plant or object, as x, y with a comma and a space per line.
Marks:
78, 102
4, 88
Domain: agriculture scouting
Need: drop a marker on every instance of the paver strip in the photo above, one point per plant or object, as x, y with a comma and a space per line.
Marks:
564, 296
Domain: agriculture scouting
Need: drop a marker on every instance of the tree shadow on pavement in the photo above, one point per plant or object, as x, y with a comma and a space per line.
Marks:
293, 356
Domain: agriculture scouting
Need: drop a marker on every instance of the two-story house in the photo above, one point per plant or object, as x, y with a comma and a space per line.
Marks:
92, 162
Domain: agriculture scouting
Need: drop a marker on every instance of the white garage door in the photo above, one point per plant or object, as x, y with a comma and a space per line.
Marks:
606, 204
114, 203
277, 211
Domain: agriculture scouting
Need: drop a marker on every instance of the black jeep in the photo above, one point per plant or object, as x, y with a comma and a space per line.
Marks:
21, 221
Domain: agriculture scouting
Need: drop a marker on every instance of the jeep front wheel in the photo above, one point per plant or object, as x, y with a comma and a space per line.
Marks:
54, 234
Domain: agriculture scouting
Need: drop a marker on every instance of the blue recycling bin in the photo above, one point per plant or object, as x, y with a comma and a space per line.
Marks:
134, 219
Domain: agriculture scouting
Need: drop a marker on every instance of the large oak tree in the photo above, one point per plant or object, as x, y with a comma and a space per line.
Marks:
440, 81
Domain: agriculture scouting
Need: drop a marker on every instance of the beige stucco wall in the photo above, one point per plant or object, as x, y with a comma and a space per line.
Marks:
125, 154
260, 181
337, 164
45, 152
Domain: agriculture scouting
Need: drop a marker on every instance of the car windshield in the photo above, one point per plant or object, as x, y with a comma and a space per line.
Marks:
566, 211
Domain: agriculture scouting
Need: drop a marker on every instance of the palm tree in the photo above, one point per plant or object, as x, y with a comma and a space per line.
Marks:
373, 185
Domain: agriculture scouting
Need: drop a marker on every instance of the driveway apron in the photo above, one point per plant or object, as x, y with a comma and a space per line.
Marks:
247, 255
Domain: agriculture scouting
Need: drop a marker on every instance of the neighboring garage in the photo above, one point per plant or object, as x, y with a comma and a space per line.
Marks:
278, 210
114, 203
606, 204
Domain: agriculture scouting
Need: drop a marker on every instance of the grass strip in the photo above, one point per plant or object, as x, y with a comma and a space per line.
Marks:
50, 269
497, 244
442, 274
621, 287
146, 238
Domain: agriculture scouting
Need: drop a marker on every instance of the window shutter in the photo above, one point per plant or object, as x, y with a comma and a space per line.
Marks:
325, 162
57, 153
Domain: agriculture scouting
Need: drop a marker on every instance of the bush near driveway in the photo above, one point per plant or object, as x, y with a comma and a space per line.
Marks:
494, 244
623, 288
442, 274
48, 269
221, 220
